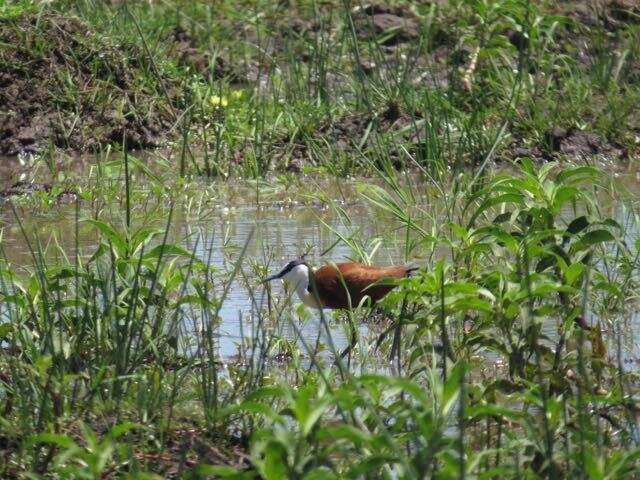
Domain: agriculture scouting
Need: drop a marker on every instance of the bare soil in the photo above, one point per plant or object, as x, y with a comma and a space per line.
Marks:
390, 25
62, 84
186, 51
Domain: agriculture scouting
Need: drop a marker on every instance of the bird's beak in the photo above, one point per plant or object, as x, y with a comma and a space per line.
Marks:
272, 277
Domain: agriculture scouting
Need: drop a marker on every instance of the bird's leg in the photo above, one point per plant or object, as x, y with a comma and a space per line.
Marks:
354, 332
352, 344
397, 336
395, 345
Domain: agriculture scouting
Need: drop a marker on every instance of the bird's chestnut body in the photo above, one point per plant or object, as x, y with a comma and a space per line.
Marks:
342, 285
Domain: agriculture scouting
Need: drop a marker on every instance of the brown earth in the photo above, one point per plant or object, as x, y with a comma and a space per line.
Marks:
347, 132
186, 446
390, 25
62, 84
611, 14
352, 129
185, 50
572, 143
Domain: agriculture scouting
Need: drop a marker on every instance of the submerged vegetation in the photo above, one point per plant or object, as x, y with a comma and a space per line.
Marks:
512, 351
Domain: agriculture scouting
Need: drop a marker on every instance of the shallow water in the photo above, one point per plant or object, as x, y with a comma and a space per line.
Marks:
275, 229
284, 234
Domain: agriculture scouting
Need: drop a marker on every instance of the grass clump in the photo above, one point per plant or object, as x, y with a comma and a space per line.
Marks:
326, 86
502, 357
506, 349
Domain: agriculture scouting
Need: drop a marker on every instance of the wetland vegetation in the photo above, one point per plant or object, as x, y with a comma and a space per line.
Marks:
164, 157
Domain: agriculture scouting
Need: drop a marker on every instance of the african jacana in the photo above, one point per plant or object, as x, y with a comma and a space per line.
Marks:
328, 286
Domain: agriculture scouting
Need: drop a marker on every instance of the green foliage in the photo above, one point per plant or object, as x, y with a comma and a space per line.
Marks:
92, 460
528, 252
500, 364
499, 358
250, 90
13, 9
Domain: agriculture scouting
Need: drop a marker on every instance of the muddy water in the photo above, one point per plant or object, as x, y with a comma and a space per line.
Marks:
275, 229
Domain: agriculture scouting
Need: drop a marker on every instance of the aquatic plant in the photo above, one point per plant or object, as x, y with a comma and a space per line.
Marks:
503, 357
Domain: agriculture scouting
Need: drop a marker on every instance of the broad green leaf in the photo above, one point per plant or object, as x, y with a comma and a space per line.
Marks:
53, 439
266, 392
118, 241
251, 407
275, 457
577, 225
562, 195
315, 413
5, 329
320, 474
573, 272
222, 471
592, 238
122, 428
451, 389
368, 465
144, 235
515, 198
594, 466
578, 174
166, 250
345, 432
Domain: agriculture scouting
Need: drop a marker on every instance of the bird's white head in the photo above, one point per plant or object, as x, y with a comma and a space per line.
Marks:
295, 272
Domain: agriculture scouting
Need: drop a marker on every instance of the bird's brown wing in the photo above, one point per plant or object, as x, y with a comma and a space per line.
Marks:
330, 282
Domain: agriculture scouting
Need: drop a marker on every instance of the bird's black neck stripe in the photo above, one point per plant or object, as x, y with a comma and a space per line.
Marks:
312, 281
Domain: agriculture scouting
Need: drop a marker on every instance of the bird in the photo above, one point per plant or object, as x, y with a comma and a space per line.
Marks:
341, 285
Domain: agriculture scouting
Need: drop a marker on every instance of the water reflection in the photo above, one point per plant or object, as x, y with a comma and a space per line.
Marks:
276, 236
275, 230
